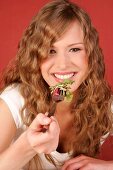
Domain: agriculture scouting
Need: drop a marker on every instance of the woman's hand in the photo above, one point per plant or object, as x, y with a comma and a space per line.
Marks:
87, 163
43, 142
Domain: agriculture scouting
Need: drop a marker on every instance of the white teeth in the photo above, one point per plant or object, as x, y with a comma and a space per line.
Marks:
66, 76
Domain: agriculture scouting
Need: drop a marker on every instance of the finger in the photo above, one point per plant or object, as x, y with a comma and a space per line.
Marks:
87, 168
54, 119
40, 121
46, 113
75, 165
37, 139
54, 126
47, 126
77, 159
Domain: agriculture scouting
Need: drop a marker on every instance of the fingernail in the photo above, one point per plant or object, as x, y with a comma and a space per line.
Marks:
46, 113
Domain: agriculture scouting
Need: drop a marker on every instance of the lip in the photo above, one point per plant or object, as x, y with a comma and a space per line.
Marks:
63, 73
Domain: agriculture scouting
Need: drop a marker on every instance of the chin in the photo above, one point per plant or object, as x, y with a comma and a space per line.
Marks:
74, 88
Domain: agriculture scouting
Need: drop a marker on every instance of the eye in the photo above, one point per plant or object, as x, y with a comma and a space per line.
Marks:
52, 51
74, 49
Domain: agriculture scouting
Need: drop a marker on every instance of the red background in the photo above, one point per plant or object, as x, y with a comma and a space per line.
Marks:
15, 15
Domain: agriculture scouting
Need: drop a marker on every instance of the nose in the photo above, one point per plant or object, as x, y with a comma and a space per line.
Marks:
62, 60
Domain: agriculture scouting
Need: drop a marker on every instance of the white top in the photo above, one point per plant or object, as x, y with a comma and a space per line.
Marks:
15, 102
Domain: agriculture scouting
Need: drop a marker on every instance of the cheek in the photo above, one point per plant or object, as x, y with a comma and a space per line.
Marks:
44, 67
84, 61
81, 62
83, 67
43, 71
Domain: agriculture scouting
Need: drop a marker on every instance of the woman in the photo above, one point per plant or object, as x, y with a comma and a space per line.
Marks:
60, 43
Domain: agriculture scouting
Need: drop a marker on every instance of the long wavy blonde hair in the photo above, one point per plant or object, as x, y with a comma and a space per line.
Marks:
92, 113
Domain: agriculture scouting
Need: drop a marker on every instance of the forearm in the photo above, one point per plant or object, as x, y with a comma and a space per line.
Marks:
17, 155
110, 165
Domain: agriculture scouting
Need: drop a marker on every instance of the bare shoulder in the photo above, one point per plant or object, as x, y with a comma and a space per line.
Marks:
7, 126
112, 106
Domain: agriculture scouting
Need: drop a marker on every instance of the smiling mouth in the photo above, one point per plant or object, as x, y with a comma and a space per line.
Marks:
63, 76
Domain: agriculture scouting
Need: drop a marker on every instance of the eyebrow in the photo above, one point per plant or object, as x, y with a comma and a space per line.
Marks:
78, 43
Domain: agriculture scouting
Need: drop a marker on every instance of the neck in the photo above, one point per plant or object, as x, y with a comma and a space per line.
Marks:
63, 107
65, 121
63, 114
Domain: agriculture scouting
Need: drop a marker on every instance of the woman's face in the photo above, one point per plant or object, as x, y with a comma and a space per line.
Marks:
67, 59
